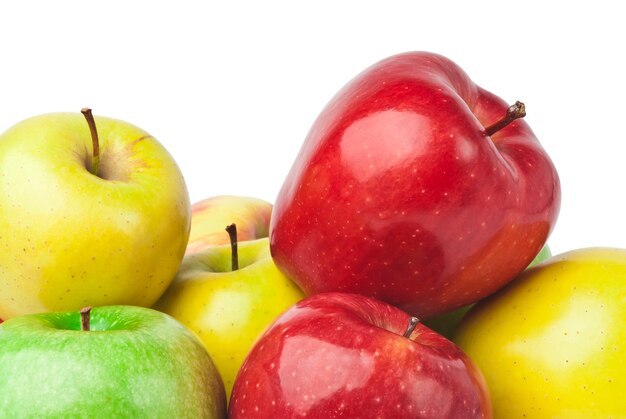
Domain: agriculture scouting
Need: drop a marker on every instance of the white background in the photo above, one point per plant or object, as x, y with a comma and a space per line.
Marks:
231, 88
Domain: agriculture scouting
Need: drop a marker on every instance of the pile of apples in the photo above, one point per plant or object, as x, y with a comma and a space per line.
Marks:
403, 270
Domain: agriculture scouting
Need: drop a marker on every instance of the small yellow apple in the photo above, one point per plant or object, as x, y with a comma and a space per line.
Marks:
229, 309
210, 216
552, 343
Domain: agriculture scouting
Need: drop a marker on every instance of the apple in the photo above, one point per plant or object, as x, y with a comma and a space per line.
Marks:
229, 308
552, 342
446, 323
209, 217
417, 187
94, 211
113, 361
347, 355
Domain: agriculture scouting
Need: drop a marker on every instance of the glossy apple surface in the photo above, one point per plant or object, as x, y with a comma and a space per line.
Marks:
399, 193
552, 343
345, 355
71, 238
229, 309
133, 362
447, 323
210, 216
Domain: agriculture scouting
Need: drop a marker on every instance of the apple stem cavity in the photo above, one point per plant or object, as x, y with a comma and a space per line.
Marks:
413, 321
515, 111
232, 233
95, 161
85, 319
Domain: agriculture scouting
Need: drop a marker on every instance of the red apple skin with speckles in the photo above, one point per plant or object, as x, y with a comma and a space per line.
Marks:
344, 355
398, 192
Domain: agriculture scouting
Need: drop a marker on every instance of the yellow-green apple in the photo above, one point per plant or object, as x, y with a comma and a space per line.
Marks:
446, 323
229, 308
417, 187
93, 212
346, 355
211, 215
109, 362
552, 343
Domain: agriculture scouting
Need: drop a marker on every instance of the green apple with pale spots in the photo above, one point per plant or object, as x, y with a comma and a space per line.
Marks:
108, 362
210, 216
94, 211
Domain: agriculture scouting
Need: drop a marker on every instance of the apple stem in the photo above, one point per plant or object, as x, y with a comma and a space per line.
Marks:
232, 233
515, 111
95, 161
413, 321
85, 317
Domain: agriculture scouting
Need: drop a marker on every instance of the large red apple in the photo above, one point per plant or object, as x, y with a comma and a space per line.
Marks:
417, 187
346, 355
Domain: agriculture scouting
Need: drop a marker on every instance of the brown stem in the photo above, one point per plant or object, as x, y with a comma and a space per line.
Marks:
95, 161
85, 317
515, 111
413, 321
232, 233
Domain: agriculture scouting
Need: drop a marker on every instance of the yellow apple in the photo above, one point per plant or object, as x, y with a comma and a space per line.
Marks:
552, 343
229, 309
210, 216
75, 233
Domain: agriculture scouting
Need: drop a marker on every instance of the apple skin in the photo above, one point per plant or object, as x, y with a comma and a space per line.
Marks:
210, 216
446, 323
229, 309
344, 355
552, 343
134, 362
71, 239
398, 192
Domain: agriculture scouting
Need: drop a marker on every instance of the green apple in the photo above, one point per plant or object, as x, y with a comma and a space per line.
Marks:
86, 221
447, 323
121, 361
210, 216
552, 343
228, 309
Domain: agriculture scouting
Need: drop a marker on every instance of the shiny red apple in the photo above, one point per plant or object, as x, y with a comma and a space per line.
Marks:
417, 187
345, 355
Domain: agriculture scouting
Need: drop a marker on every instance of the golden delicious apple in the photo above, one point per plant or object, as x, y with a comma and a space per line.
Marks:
229, 309
74, 232
552, 343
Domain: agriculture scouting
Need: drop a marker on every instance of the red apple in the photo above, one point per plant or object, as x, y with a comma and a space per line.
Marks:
337, 354
417, 187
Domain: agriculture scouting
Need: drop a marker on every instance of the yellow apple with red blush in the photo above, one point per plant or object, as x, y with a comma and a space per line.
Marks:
210, 216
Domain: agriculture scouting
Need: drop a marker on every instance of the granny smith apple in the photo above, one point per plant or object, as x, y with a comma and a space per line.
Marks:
209, 217
447, 323
229, 308
121, 361
94, 211
552, 343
